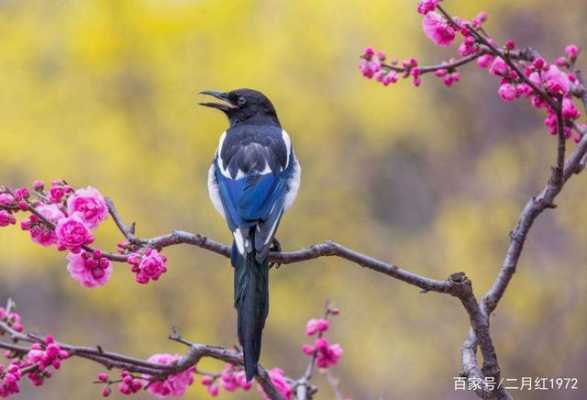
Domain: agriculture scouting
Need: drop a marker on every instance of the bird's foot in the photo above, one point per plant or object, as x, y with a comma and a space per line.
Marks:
275, 247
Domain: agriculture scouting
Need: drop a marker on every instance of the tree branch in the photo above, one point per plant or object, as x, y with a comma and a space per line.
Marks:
112, 360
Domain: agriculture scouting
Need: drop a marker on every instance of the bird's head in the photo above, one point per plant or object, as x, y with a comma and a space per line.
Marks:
243, 105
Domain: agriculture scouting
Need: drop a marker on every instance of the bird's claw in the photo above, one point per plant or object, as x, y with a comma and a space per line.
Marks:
275, 248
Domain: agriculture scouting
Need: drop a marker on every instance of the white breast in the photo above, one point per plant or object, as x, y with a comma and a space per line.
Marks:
293, 185
213, 191
287, 142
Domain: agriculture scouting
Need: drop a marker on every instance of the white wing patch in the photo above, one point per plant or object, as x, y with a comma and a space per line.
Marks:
287, 141
267, 169
272, 231
214, 192
293, 185
239, 240
239, 174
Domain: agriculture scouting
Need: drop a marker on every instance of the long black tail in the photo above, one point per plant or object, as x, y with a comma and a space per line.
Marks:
251, 300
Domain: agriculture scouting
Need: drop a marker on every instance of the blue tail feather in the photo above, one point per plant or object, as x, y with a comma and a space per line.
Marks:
251, 300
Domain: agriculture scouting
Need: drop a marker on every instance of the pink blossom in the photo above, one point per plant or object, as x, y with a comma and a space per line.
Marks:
50, 355
39, 231
10, 377
56, 193
572, 51
379, 75
523, 89
556, 81
207, 380
539, 63
572, 77
391, 77
507, 92
438, 29
410, 63
149, 266
22, 193
232, 379
327, 354
38, 185
537, 101
278, 379
535, 79
213, 390
425, 6
129, 385
368, 53
569, 110
499, 67
173, 385
551, 123
308, 349
72, 233
451, 79
369, 68
6, 200
6, 218
370, 65
441, 72
568, 132
89, 204
90, 270
12, 318
467, 47
317, 326
480, 19
561, 62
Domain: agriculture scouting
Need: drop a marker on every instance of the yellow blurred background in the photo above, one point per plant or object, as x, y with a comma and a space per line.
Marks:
103, 93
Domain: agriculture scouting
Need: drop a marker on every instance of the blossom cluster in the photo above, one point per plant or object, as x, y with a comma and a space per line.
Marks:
36, 365
282, 385
42, 356
325, 354
147, 266
172, 386
232, 378
65, 218
12, 319
46, 355
521, 73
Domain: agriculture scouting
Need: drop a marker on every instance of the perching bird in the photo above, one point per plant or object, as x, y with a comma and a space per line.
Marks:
253, 180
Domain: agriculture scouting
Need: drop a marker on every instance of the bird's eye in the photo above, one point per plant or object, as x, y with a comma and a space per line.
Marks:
241, 101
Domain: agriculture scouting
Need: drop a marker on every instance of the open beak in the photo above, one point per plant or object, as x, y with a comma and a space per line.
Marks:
225, 106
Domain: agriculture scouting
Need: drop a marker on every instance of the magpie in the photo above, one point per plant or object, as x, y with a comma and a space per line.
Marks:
254, 178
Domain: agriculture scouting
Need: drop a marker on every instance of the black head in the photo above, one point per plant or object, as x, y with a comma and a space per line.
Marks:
244, 106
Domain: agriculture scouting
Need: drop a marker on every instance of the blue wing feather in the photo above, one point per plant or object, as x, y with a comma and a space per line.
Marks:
256, 197
252, 199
